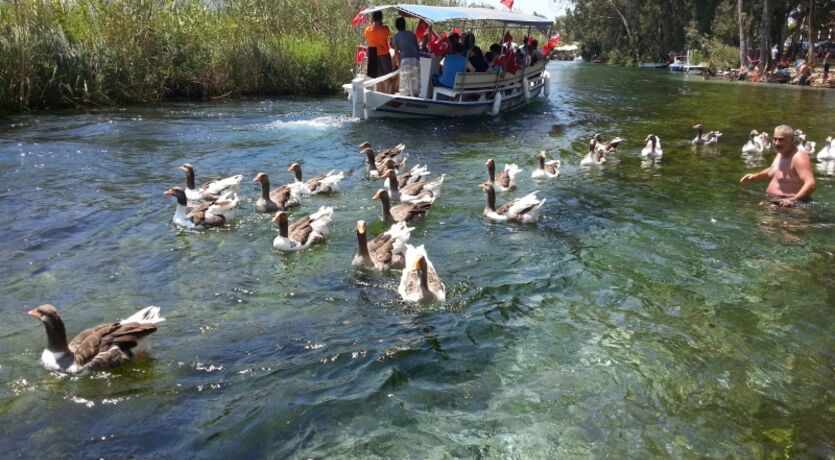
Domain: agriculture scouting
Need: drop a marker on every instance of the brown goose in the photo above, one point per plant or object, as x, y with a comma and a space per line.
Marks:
374, 168
403, 212
524, 210
208, 214
385, 251
546, 169
280, 198
705, 139
504, 182
210, 191
99, 347
304, 232
416, 174
419, 281
413, 192
384, 154
606, 147
322, 184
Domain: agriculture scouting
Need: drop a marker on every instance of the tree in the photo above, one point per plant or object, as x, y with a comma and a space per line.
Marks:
765, 35
743, 34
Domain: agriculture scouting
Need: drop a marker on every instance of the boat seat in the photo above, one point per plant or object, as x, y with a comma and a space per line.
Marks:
486, 82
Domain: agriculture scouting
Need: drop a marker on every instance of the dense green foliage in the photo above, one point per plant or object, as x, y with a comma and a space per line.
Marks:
628, 31
90, 52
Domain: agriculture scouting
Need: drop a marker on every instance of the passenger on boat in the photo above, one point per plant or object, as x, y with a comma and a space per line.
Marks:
478, 61
496, 61
407, 54
454, 63
377, 36
536, 54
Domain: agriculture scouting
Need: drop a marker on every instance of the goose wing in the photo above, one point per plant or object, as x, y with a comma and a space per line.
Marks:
108, 345
202, 216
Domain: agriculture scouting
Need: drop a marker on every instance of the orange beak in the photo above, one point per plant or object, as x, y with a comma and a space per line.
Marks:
34, 313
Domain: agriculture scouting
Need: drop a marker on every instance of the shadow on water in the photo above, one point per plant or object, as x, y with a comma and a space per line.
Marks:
655, 310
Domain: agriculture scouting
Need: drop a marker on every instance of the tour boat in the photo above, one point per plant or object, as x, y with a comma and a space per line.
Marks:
473, 93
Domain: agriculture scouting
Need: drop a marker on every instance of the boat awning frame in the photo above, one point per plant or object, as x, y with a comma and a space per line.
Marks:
441, 14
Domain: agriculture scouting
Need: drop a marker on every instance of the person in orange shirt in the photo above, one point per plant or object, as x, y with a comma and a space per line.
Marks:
377, 36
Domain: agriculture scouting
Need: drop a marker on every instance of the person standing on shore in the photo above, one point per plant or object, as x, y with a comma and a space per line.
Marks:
826, 60
407, 54
790, 174
377, 36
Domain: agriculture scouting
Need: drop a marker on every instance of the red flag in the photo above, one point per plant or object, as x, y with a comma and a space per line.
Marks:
509, 61
439, 46
362, 53
359, 18
507, 3
421, 29
456, 30
507, 38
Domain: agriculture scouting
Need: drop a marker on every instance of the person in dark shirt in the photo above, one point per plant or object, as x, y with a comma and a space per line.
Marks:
477, 60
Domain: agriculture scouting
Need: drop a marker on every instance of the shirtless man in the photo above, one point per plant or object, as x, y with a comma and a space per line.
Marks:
790, 174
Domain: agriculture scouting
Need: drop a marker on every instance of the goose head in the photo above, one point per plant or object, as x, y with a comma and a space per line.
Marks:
365, 145
178, 193
369, 155
280, 218
754, 133
55, 332
296, 169
382, 195
491, 169
699, 127
491, 195
262, 178
189, 170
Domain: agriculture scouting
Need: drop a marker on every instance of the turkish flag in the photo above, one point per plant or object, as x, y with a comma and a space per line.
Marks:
439, 46
507, 3
421, 29
358, 19
362, 53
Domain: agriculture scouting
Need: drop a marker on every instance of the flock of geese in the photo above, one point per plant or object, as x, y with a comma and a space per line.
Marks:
215, 203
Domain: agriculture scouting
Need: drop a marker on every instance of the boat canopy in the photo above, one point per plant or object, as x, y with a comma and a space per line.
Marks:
440, 14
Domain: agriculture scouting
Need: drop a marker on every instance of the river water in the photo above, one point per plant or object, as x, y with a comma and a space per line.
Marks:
655, 310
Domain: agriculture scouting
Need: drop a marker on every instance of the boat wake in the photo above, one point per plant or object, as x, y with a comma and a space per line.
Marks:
325, 122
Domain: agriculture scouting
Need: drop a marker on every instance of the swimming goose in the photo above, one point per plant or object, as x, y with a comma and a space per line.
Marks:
210, 191
384, 154
652, 151
505, 182
415, 191
99, 347
374, 168
403, 212
524, 210
546, 169
280, 198
304, 232
416, 174
594, 157
607, 147
419, 281
757, 143
827, 153
705, 139
323, 184
208, 214
383, 252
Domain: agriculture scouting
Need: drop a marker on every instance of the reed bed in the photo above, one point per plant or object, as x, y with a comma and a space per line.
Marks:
99, 52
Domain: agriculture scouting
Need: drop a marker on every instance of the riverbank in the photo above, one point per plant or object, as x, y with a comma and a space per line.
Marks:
785, 76
101, 53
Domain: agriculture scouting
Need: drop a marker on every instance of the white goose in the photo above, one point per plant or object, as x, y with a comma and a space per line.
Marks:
383, 252
607, 147
594, 157
304, 232
419, 281
705, 139
323, 184
505, 182
524, 210
208, 214
546, 169
757, 142
98, 347
212, 190
827, 153
652, 151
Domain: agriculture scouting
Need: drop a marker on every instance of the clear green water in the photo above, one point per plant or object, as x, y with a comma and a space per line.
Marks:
653, 312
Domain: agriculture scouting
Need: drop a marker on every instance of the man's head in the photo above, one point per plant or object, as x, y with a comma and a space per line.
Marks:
377, 16
784, 141
400, 23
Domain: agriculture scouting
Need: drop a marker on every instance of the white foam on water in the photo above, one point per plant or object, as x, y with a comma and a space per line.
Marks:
321, 123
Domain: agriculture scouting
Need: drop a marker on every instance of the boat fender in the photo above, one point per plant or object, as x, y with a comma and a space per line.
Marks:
546, 80
526, 88
497, 103
357, 96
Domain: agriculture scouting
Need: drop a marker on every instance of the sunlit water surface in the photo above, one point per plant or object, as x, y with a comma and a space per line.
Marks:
655, 310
